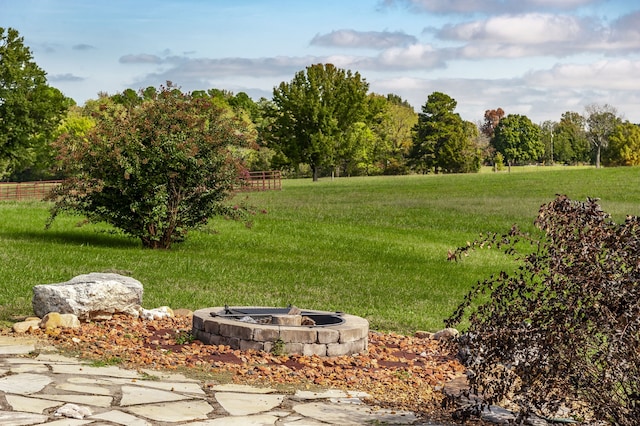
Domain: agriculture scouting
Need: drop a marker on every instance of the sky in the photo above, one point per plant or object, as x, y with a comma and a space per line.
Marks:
539, 58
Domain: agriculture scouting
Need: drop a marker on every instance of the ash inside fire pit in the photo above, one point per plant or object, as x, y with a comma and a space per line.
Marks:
282, 316
306, 332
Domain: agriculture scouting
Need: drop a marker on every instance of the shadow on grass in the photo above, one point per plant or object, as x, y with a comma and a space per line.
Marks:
96, 239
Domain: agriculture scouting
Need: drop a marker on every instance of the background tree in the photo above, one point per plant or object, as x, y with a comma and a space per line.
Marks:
313, 113
547, 134
473, 150
30, 110
154, 171
570, 143
442, 140
601, 122
256, 157
518, 139
128, 98
491, 119
392, 119
624, 146
359, 150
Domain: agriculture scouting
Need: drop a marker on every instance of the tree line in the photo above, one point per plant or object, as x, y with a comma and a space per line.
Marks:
158, 162
324, 122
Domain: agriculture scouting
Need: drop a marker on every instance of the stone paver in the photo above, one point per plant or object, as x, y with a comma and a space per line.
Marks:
183, 411
24, 384
10, 418
352, 415
240, 404
122, 418
28, 404
13, 346
137, 395
33, 389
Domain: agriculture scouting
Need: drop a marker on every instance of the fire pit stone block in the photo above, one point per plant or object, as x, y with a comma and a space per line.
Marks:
246, 345
350, 336
239, 331
314, 349
212, 327
326, 335
265, 333
298, 335
357, 329
339, 349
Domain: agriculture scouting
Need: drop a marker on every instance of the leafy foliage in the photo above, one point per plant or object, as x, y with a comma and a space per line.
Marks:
491, 119
517, 139
563, 330
442, 140
29, 109
312, 114
570, 143
601, 123
624, 146
155, 169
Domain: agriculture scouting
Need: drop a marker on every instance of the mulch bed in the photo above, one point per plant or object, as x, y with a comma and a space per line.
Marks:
399, 372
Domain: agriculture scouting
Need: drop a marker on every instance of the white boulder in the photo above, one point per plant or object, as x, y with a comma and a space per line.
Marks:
94, 296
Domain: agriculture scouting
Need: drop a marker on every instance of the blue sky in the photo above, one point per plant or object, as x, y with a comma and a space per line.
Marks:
540, 58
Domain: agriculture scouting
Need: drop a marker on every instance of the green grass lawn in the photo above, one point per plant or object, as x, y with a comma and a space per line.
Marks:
374, 247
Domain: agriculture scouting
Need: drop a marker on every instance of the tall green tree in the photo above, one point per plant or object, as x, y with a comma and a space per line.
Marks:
518, 140
359, 150
155, 170
392, 119
570, 143
30, 110
313, 113
601, 122
547, 134
624, 146
442, 140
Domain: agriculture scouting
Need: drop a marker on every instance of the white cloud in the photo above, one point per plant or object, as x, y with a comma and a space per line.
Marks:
83, 46
67, 77
415, 56
185, 70
601, 75
538, 34
625, 32
541, 95
363, 39
141, 59
527, 29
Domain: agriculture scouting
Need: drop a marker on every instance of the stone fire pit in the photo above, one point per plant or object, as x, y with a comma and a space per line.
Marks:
290, 330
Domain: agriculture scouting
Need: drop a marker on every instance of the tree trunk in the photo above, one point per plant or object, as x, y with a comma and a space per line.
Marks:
598, 157
315, 173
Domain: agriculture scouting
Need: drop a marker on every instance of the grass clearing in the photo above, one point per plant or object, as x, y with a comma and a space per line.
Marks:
374, 247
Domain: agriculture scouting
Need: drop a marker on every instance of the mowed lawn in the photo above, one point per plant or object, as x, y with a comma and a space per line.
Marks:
374, 247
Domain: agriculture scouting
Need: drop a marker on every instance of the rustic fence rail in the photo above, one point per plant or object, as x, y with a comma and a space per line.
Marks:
268, 180
21, 191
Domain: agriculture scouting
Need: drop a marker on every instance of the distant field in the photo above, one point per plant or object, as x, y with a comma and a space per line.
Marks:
374, 247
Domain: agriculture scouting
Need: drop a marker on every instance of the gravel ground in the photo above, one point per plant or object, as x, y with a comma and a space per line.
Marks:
399, 372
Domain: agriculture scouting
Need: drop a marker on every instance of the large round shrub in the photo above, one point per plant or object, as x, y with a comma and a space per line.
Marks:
154, 170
